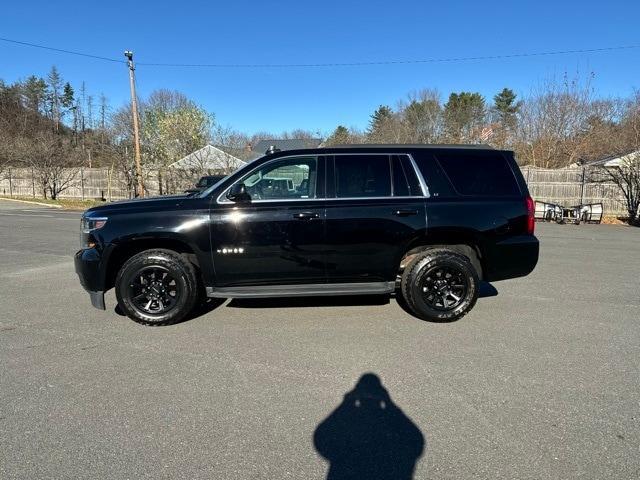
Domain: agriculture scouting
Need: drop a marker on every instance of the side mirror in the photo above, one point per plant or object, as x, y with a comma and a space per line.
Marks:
238, 193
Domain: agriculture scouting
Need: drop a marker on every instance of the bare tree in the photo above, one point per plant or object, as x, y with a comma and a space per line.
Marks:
421, 117
625, 142
53, 163
232, 143
550, 122
7, 152
626, 177
54, 83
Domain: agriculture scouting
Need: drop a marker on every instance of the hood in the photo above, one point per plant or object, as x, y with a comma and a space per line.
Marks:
138, 204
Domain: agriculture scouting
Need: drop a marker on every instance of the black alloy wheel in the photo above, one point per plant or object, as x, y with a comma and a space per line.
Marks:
444, 287
154, 290
440, 285
157, 287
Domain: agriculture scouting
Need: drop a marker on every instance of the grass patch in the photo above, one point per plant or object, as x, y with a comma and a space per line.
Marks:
615, 220
66, 203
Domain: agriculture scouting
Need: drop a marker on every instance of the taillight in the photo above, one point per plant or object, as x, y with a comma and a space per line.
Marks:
531, 219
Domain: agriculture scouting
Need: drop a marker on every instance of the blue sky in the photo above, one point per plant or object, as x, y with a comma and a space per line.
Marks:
275, 99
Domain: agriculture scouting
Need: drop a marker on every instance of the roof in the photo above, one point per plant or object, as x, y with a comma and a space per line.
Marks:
416, 146
611, 160
389, 148
209, 158
259, 149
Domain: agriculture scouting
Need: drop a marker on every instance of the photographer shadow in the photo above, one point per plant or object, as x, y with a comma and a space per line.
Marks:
369, 437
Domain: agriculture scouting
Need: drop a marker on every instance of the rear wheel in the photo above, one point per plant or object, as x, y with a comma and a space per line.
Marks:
440, 285
157, 287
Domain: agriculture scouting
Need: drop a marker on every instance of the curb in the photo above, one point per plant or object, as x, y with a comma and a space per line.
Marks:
31, 202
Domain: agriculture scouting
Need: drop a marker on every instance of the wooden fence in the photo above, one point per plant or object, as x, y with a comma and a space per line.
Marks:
564, 186
86, 184
572, 186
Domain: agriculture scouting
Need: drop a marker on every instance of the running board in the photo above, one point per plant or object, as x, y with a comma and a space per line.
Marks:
329, 289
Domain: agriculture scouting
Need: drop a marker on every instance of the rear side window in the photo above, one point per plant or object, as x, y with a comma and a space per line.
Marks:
479, 173
362, 176
436, 180
405, 180
400, 182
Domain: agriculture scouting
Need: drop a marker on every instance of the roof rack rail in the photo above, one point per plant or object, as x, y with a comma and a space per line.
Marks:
414, 145
271, 150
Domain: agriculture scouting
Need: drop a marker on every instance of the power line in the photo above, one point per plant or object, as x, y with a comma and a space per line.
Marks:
60, 50
334, 64
386, 62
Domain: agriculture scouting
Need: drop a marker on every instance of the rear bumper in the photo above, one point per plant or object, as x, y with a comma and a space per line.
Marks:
87, 264
511, 258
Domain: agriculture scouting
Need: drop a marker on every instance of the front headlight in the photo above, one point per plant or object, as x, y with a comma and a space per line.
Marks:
87, 226
93, 223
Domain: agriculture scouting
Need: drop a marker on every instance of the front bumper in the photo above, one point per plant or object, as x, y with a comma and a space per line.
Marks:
87, 264
97, 300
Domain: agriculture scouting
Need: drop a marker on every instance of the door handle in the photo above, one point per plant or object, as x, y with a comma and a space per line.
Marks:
306, 215
405, 212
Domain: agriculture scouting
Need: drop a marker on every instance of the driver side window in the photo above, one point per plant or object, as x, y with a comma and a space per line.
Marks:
289, 178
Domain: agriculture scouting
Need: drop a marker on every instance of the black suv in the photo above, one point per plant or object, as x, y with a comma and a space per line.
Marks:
427, 221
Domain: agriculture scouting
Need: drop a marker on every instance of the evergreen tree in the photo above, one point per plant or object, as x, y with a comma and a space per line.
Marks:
464, 114
506, 107
67, 96
35, 93
380, 123
340, 136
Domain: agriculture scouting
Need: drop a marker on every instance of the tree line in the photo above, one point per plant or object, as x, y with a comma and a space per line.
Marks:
561, 123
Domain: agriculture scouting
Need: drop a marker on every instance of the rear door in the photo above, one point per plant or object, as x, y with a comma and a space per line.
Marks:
375, 208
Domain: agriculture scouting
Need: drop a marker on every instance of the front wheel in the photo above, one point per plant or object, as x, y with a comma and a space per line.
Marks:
440, 285
157, 287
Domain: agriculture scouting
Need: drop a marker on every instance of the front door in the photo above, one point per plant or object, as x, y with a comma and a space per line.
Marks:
376, 211
277, 236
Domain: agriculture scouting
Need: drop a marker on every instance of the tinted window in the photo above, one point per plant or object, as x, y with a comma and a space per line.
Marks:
400, 182
479, 173
437, 182
362, 176
412, 178
289, 178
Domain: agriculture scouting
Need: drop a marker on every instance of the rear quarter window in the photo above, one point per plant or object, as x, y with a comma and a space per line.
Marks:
479, 173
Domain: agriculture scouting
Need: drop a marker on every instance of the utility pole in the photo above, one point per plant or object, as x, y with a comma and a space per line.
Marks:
134, 113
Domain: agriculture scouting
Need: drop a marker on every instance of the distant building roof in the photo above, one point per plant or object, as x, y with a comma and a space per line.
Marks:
209, 158
259, 149
611, 160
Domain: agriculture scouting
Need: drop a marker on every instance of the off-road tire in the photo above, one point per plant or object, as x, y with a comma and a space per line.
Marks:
180, 269
413, 278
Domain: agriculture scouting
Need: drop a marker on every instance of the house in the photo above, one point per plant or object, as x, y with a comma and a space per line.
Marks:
208, 160
259, 149
610, 161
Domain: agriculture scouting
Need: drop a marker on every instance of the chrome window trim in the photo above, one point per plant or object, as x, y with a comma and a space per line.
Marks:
423, 184
374, 198
224, 200
221, 199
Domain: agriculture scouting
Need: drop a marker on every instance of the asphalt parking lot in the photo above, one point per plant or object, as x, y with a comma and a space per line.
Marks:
540, 380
